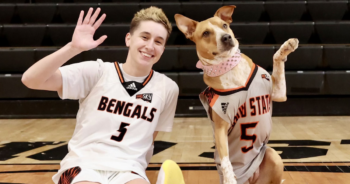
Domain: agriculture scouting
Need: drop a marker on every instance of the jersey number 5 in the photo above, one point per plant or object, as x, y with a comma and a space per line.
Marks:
122, 131
246, 137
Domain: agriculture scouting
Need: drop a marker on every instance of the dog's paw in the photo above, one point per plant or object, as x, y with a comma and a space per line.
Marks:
230, 181
230, 178
287, 47
291, 45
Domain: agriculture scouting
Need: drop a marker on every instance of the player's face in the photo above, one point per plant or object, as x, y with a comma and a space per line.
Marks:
146, 44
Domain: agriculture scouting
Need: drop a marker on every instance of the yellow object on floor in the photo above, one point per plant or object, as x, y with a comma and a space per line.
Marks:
170, 173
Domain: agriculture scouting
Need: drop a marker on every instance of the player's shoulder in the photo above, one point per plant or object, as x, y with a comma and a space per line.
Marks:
105, 64
169, 84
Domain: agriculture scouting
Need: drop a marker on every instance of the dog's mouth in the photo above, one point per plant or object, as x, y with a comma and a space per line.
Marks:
227, 50
224, 55
224, 51
229, 46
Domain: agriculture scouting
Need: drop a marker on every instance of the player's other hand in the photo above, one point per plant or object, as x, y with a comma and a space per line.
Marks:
83, 36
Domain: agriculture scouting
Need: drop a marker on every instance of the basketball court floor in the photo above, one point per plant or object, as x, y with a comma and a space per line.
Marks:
315, 150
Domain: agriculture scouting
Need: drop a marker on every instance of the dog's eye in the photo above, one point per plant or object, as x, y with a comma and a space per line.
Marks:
225, 26
206, 33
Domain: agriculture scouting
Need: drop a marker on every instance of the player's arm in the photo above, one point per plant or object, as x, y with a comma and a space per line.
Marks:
166, 118
45, 74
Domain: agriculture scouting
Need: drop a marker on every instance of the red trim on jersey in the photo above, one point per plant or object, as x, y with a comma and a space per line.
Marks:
119, 72
120, 75
215, 97
148, 78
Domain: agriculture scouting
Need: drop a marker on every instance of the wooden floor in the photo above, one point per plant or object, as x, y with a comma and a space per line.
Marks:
315, 150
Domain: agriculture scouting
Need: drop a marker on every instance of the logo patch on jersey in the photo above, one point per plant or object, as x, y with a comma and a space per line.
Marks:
224, 107
145, 97
265, 76
132, 86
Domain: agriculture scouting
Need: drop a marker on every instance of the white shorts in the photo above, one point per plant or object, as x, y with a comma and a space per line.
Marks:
78, 174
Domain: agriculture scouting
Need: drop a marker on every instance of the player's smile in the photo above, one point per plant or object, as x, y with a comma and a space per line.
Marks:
147, 56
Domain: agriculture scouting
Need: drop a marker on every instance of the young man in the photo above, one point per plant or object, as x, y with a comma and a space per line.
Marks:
121, 106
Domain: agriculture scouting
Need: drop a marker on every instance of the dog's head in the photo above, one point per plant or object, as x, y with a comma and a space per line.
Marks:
213, 37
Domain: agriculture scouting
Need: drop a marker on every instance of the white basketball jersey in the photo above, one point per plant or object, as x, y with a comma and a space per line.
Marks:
248, 109
114, 129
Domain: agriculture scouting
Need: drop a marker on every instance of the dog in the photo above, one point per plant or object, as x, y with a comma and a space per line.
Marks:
238, 99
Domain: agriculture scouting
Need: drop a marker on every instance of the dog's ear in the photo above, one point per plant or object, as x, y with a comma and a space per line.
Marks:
225, 13
186, 25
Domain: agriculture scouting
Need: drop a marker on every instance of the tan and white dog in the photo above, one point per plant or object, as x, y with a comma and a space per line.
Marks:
226, 68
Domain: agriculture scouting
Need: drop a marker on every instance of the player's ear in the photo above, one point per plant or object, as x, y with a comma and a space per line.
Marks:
127, 39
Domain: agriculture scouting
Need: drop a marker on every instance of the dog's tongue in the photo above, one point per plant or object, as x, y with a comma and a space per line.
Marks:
199, 65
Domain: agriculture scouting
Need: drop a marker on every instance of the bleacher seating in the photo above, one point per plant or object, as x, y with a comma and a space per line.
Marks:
60, 11
306, 58
286, 11
333, 32
255, 9
46, 15
15, 35
70, 12
327, 10
305, 83
319, 69
6, 13
24, 35
337, 57
337, 82
282, 31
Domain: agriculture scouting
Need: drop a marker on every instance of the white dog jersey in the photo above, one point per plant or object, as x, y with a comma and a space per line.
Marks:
248, 109
116, 118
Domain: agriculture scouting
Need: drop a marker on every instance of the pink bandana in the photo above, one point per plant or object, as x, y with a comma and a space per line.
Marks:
221, 68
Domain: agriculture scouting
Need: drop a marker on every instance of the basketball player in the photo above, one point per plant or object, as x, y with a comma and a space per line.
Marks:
121, 106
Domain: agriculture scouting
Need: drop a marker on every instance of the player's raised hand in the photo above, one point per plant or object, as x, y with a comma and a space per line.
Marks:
83, 36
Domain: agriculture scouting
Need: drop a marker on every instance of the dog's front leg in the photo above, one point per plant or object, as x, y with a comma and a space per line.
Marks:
221, 144
279, 93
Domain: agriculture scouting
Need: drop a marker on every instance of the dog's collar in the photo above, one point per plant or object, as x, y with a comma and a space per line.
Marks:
222, 67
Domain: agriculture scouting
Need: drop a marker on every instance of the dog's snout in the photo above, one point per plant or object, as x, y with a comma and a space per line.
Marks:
226, 38
227, 42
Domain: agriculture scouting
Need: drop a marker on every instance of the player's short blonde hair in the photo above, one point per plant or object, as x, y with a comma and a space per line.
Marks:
154, 14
